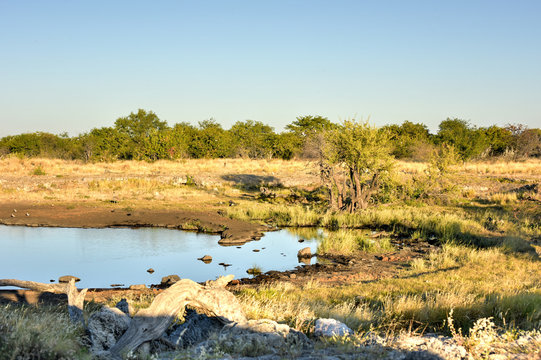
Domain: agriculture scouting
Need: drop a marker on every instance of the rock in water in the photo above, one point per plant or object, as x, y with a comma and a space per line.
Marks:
206, 259
106, 327
330, 328
138, 287
150, 271
304, 253
66, 279
169, 280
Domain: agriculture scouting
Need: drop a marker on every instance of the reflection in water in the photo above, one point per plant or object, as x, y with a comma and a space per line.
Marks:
101, 257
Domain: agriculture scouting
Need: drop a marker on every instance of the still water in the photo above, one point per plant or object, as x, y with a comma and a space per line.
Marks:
101, 257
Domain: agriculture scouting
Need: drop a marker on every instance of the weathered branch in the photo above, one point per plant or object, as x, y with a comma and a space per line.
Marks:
75, 298
150, 323
32, 285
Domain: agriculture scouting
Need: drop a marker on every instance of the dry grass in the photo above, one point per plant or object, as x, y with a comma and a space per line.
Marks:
497, 167
475, 283
39, 333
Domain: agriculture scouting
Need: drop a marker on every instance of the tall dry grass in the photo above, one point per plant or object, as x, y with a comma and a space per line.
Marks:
473, 283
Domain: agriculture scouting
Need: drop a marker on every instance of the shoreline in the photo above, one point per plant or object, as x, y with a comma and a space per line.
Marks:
231, 231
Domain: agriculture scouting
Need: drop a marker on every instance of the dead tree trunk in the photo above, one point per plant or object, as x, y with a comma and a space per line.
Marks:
75, 298
150, 323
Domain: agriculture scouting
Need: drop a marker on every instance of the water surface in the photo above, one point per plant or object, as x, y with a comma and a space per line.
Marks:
101, 257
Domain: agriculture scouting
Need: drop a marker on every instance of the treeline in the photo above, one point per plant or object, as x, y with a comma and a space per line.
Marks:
143, 136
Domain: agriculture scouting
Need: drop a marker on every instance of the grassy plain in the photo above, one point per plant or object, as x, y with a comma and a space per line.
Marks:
485, 218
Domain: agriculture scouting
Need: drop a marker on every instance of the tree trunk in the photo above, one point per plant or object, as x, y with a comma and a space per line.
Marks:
75, 298
150, 323
358, 189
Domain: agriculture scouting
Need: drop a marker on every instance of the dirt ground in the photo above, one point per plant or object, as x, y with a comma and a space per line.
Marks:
232, 232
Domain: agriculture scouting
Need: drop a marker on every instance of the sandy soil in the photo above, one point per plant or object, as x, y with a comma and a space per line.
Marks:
233, 232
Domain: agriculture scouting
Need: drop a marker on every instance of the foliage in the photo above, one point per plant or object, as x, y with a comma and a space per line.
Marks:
252, 139
407, 139
469, 141
442, 159
306, 131
355, 158
136, 128
210, 141
142, 135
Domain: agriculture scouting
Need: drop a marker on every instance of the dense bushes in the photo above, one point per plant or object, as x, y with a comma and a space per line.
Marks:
143, 136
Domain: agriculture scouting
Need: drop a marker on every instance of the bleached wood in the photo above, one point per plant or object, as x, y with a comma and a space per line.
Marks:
76, 298
150, 323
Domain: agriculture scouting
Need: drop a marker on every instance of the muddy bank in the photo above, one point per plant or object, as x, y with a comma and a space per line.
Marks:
232, 232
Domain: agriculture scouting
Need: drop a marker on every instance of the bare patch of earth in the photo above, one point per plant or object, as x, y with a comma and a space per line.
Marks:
232, 232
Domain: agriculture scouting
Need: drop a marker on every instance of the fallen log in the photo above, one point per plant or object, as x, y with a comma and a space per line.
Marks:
75, 297
150, 323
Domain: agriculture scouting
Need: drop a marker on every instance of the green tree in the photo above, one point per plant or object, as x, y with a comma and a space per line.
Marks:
283, 146
252, 139
355, 158
42, 144
407, 139
499, 139
136, 128
181, 136
467, 140
306, 130
210, 141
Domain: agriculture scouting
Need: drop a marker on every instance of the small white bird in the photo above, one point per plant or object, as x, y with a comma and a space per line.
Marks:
12, 215
27, 214
14, 210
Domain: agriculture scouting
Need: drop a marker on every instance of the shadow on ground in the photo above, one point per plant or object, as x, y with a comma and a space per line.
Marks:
252, 182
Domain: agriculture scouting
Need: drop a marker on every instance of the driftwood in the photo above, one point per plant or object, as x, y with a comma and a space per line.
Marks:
150, 323
75, 297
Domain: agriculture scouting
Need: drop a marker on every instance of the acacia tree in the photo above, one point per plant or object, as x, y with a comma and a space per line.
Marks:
307, 131
355, 158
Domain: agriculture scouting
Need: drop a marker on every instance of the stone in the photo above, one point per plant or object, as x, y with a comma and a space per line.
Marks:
106, 327
169, 280
305, 253
66, 279
195, 329
261, 337
330, 328
138, 287
207, 259
150, 271
125, 307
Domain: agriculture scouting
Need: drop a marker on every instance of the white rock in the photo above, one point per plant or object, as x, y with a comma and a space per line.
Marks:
330, 328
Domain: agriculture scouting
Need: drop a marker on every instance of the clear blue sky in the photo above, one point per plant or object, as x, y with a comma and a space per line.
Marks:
75, 65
